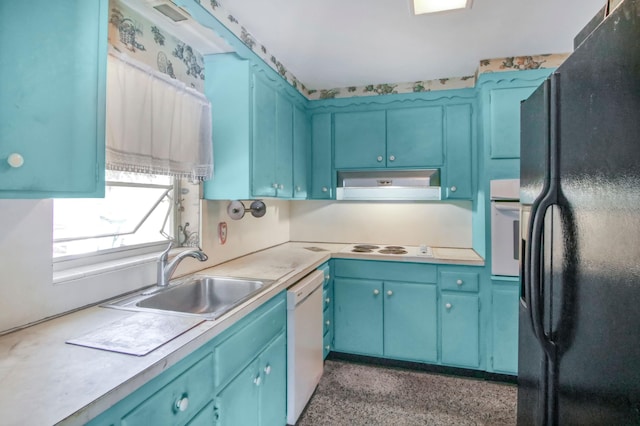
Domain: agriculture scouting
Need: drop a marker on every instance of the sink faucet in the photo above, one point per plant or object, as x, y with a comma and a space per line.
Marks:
165, 270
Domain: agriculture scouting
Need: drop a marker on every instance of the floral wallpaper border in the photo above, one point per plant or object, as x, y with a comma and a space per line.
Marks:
144, 41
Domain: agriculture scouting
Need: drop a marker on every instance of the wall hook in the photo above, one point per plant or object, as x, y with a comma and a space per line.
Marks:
236, 209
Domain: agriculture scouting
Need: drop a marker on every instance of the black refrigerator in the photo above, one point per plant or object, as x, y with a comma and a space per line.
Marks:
579, 330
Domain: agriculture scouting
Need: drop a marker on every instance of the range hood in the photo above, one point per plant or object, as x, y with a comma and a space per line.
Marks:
389, 185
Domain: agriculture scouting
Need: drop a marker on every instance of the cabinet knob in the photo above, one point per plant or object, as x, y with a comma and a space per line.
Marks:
392, 158
298, 189
376, 292
275, 186
281, 186
267, 370
448, 306
459, 282
15, 160
327, 347
380, 157
389, 293
327, 277
182, 403
454, 188
327, 300
325, 189
328, 322
257, 380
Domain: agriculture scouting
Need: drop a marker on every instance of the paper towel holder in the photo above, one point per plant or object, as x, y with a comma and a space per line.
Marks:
236, 209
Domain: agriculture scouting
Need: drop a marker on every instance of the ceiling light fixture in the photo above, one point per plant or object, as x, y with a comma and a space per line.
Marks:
434, 6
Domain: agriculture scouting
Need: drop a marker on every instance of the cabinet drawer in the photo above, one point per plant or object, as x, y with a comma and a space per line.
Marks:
381, 270
239, 349
461, 281
179, 400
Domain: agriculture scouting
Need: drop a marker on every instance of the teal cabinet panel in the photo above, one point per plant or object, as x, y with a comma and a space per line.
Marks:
459, 280
410, 321
360, 139
52, 103
301, 153
321, 175
505, 120
386, 271
273, 389
284, 147
504, 326
178, 401
414, 137
358, 316
237, 403
460, 329
459, 166
264, 139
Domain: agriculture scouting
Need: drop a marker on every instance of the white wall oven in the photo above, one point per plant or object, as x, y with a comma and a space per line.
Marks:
505, 227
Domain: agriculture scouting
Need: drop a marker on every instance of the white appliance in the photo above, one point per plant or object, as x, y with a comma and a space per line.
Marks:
305, 360
505, 227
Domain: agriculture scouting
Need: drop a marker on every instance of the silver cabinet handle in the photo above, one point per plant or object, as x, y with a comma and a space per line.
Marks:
182, 403
454, 188
325, 189
389, 293
459, 282
376, 292
380, 157
327, 322
267, 369
281, 186
448, 306
392, 158
275, 186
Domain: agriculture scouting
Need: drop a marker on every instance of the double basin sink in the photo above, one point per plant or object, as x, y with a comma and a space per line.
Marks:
204, 296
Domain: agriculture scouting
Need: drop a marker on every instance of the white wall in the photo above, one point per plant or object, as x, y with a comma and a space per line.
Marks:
442, 224
27, 291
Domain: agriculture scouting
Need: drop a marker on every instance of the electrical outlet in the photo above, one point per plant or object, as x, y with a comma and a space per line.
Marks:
222, 232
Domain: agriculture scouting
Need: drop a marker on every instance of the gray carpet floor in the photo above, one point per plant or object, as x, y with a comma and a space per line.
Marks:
356, 394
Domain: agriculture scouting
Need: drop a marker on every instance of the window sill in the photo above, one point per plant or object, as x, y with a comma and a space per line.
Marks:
80, 272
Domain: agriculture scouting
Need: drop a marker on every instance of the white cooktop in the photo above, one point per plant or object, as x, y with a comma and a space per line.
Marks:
389, 250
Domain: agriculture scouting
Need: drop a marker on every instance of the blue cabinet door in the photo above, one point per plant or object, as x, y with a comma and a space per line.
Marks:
357, 316
264, 138
360, 139
273, 389
52, 103
505, 120
410, 321
414, 137
460, 329
301, 145
504, 325
283, 163
459, 168
237, 403
321, 186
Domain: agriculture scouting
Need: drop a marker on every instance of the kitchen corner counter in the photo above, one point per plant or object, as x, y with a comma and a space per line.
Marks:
46, 381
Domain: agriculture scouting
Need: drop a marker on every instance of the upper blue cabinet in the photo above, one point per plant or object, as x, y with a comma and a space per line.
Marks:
261, 132
52, 103
403, 137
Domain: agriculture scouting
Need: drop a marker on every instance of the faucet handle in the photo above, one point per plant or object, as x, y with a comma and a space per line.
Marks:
165, 253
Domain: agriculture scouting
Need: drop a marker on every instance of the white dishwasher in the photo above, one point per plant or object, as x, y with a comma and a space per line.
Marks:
304, 342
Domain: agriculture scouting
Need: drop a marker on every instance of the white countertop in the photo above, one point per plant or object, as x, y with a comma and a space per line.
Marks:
46, 381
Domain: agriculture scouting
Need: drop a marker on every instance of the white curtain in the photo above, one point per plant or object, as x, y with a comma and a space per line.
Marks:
156, 124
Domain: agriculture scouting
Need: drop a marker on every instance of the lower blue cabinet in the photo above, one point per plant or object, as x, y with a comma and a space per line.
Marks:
504, 325
238, 378
460, 329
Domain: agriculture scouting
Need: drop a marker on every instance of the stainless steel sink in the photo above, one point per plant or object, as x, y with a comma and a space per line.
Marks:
203, 296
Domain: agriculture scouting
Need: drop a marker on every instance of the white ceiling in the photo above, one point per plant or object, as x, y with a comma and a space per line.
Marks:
339, 43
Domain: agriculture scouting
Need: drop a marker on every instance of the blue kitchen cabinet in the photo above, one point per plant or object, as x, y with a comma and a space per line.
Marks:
327, 313
414, 137
254, 131
460, 316
410, 321
239, 375
321, 154
505, 296
52, 104
360, 139
258, 394
459, 168
358, 317
385, 317
505, 120
301, 145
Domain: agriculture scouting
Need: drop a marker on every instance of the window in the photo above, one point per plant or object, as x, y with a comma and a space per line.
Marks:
138, 210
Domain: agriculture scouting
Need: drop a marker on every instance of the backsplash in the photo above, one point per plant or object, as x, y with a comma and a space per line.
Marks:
144, 41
